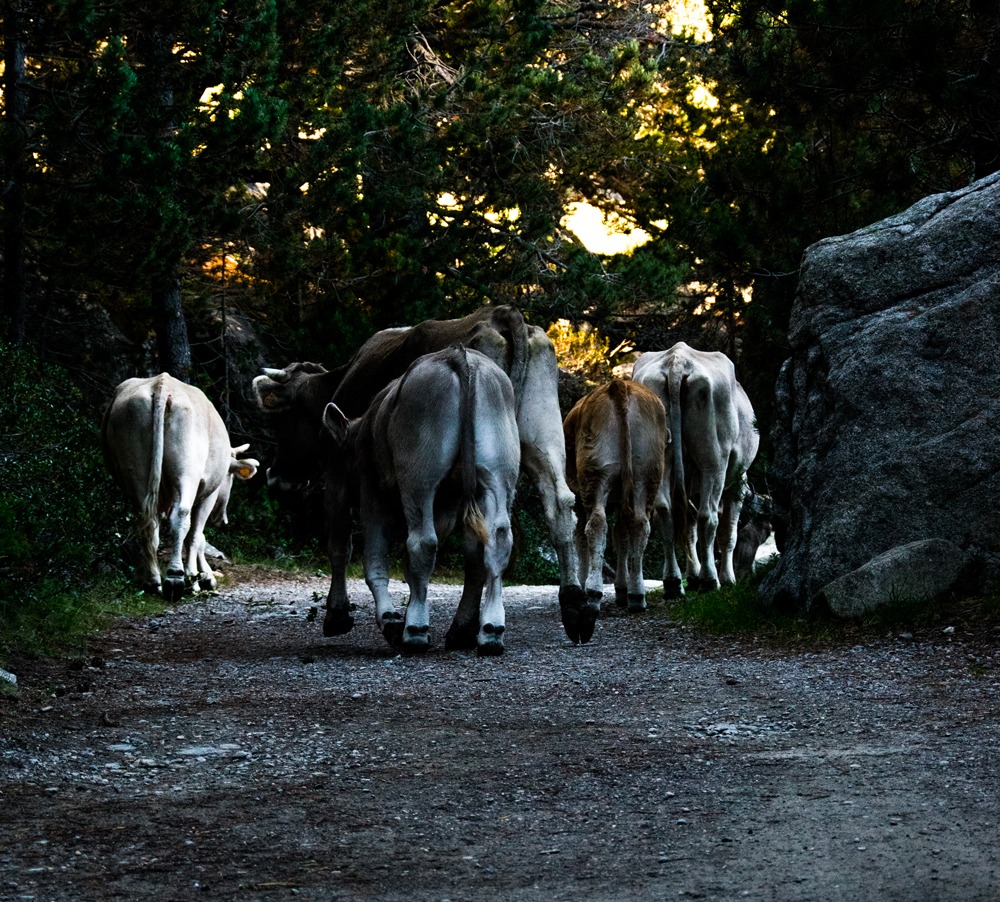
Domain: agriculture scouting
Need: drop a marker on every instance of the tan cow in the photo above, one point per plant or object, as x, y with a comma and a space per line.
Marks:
714, 443
616, 440
168, 449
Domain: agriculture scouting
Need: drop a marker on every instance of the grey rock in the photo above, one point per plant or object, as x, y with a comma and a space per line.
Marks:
889, 408
920, 570
8, 677
212, 551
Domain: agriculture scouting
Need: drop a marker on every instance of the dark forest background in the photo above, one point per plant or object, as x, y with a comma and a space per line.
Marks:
211, 186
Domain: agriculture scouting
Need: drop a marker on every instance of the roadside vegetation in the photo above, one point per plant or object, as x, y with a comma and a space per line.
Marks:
737, 611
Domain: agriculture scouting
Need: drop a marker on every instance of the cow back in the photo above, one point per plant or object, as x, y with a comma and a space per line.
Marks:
498, 332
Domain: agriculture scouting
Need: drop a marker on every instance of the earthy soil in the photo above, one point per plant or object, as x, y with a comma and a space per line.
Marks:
226, 750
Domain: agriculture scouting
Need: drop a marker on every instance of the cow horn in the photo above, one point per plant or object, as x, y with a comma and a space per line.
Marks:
276, 375
241, 449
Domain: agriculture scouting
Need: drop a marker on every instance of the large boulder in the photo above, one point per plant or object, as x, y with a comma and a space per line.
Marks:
889, 408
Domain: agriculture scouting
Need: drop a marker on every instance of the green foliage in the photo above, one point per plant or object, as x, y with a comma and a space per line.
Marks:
734, 609
258, 532
60, 619
59, 515
533, 560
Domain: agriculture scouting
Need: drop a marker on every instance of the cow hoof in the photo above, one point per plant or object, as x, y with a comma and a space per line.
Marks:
589, 613
490, 641
636, 603
461, 638
672, 588
707, 585
151, 588
571, 600
336, 623
622, 598
174, 589
491, 646
416, 639
207, 583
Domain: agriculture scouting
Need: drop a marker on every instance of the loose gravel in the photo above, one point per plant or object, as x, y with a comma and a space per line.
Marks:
226, 750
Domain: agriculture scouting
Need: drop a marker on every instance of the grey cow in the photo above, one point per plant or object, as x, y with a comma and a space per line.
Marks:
438, 444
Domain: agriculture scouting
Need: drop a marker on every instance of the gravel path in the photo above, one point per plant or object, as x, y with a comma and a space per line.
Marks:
227, 751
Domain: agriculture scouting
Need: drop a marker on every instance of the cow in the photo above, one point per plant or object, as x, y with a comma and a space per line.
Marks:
296, 397
715, 440
167, 448
754, 530
616, 440
438, 444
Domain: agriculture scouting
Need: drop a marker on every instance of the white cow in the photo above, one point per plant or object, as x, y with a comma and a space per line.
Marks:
438, 444
714, 442
168, 449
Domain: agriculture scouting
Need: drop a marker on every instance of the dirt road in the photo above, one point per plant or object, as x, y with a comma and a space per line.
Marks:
228, 751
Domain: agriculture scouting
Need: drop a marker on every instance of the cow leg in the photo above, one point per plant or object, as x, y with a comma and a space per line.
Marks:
338, 619
389, 620
197, 566
180, 525
729, 521
622, 562
496, 553
543, 456
597, 540
707, 526
464, 629
579, 614
673, 584
421, 552
149, 536
636, 539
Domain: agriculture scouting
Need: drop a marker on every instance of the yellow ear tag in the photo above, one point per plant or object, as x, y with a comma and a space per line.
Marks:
245, 472
270, 400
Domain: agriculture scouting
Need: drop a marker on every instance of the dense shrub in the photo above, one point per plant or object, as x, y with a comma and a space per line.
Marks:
60, 515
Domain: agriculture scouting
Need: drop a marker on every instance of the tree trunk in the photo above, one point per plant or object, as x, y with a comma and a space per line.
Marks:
15, 305
172, 345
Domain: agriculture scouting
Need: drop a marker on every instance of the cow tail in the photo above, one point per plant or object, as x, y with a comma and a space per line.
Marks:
618, 390
676, 389
473, 518
516, 330
151, 503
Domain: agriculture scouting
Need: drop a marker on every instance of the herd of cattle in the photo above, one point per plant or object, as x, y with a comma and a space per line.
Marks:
428, 427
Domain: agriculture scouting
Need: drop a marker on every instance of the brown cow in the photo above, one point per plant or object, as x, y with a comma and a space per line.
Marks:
438, 444
167, 447
714, 443
297, 396
616, 439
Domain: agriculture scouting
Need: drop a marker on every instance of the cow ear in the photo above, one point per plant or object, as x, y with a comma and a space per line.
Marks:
243, 469
271, 396
335, 422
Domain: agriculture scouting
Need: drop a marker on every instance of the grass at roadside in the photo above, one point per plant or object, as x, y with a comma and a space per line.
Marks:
736, 610
62, 620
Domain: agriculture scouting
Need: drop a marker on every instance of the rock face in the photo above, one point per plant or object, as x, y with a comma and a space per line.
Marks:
889, 409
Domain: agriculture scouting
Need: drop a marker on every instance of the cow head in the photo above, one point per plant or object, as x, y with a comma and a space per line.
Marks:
244, 469
293, 399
